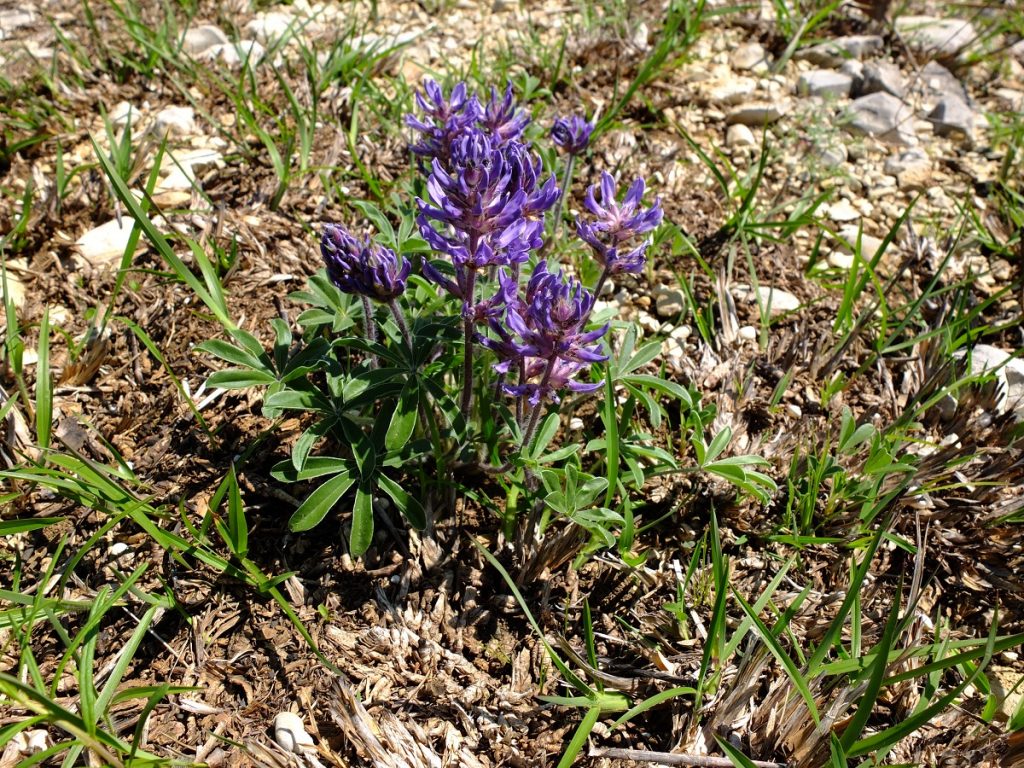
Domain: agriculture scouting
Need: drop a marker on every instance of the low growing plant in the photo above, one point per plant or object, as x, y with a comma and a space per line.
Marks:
471, 337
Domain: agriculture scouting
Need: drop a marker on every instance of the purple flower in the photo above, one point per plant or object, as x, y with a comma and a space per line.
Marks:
572, 134
444, 119
475, 194
527, 169
362, 267
544, 333
489, 205
616, 223
502, 121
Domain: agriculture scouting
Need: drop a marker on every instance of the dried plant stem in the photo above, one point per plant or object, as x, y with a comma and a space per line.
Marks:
670, 758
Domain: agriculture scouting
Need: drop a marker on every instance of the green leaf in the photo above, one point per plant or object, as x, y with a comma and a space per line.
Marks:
232, 354
44, 384
644, 355
403, 420
211, 294
545, 434
718, 444
309, 438
886, 738
237, 378
579, 738
855, 726
736, 757
653, 701
10, 527
362, 523
320, 502
374, 214
799, 681
407, 504
237, 524
297, 400
316, 466
247, 341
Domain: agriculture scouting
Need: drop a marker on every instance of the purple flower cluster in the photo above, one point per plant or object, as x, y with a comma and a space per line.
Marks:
486, 202
486, 194
362, 267
544, 336
613, 233
571, 134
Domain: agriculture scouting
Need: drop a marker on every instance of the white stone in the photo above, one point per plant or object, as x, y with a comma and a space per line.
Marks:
747, 333
14, 18
674, 346
122, 113
734, 90
290, 733
841, 259
576, 423
189, 162
947, 37
884, 116
953, 117
233, 55
739, 135
118, 548
824, 82
648, 322
104, 245
757, 114
175, 121
203, 37
849, 236
832, 155
835, 52
881, 76
668, 302
905, 161
780, 301
271, 27
750, 57
841, 210
640, 37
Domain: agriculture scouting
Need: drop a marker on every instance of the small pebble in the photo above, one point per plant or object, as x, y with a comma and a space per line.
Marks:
290, 733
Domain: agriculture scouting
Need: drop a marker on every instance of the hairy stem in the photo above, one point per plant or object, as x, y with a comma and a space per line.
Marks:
403, 327
597, 288
566, 184
370, 327
535, 413
467, 362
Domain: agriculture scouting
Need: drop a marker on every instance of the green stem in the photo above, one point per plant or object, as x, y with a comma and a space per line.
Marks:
467, 362
566, 184
403, 327
371, 329
600, 284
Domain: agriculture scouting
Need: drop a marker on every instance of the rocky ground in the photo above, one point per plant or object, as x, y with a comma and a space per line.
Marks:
881, 240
